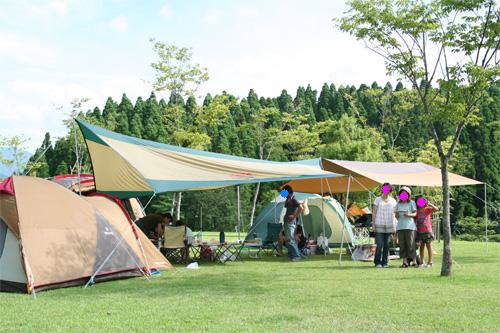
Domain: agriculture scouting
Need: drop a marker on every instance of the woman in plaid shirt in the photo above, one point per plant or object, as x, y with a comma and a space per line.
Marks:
384, 224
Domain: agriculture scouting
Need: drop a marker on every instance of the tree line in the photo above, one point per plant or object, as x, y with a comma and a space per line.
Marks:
367, 123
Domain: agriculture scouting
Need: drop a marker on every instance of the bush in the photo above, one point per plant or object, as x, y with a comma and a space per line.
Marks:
467, 237
494, 238
473, 226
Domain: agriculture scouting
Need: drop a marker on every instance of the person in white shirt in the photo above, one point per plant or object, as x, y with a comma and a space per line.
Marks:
384, 224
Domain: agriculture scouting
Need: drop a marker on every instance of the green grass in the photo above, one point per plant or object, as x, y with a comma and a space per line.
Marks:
275, 295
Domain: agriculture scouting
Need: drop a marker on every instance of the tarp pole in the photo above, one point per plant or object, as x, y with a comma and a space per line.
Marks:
77, 162
323, 214
345, 215
485, 217
201, 220
239, 215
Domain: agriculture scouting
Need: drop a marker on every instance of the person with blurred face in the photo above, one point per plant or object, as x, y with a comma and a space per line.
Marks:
406, 211
384, 225
293, 210
424, 228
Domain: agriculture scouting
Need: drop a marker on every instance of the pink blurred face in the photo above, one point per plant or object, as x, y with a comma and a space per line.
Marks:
386, 189
403, 196
421, 202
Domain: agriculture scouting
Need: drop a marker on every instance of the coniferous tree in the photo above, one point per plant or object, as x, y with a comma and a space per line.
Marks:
325, 100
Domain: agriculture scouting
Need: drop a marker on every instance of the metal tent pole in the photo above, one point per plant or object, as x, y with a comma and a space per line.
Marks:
323, 214
345, 214
485, 218
201, 220
92, 278
239, 215
77, 161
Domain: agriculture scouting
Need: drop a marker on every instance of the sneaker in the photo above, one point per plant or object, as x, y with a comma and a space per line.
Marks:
378, 266
429, 265
296, 259
385, 266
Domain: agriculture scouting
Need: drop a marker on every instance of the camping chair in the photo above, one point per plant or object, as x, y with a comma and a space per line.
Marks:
270, 244
174, 244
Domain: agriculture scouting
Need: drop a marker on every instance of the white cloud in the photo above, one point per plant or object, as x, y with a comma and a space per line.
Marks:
26, 50
60, 6
119, 24
166, 13
212, 16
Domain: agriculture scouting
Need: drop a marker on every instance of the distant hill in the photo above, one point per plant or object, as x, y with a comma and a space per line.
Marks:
7, 154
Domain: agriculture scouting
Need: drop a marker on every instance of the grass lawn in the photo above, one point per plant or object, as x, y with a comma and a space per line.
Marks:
273, 294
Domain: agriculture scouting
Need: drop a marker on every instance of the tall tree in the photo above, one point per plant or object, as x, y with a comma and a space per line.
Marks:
407, 34
325, 101
175, 72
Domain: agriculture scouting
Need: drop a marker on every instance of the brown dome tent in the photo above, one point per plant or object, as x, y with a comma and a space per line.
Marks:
50, 237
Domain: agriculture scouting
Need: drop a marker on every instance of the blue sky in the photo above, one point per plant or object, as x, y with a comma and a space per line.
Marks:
57, 50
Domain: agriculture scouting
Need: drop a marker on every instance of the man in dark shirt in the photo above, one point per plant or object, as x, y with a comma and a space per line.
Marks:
153, 225
293, 210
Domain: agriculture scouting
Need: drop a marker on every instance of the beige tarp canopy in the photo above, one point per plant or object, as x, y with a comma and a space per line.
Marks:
128, 167
367, 175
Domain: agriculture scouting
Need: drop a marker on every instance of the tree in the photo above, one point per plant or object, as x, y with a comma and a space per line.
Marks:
125, 115
17, 161
267, 139
424, 43
345, 139
135, 123
38, 164
325, 101
109, 114
175, 72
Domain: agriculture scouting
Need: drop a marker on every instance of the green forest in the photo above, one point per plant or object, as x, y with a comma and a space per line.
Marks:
371, 122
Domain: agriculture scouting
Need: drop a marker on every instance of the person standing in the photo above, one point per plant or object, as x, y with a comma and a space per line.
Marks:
293, 210
406, 211
384, 224
424, 228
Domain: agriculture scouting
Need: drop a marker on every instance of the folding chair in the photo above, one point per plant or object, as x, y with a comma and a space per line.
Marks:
270, 244
174, 244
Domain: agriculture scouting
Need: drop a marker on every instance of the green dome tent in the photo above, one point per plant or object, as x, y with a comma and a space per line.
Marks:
313, 223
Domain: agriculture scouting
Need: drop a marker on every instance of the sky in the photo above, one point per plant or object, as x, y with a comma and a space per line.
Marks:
52, 52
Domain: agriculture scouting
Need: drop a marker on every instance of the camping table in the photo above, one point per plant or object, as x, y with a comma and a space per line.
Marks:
251, 246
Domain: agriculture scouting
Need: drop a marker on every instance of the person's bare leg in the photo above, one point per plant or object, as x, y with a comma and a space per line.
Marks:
429, 250
422, 251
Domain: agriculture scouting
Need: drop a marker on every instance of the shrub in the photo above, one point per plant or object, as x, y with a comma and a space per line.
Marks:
494, 238
467, 237
474, 226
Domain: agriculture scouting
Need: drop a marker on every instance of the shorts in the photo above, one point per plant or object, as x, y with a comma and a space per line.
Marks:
425, 237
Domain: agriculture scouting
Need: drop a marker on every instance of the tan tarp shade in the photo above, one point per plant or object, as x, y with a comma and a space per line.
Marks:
368, 175
127, 167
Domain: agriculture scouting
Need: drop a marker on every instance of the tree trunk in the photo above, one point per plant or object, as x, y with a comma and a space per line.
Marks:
173, 206
254, 203
447, 259
178, 210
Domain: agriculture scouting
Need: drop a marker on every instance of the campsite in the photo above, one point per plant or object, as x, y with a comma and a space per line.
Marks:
326, 166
